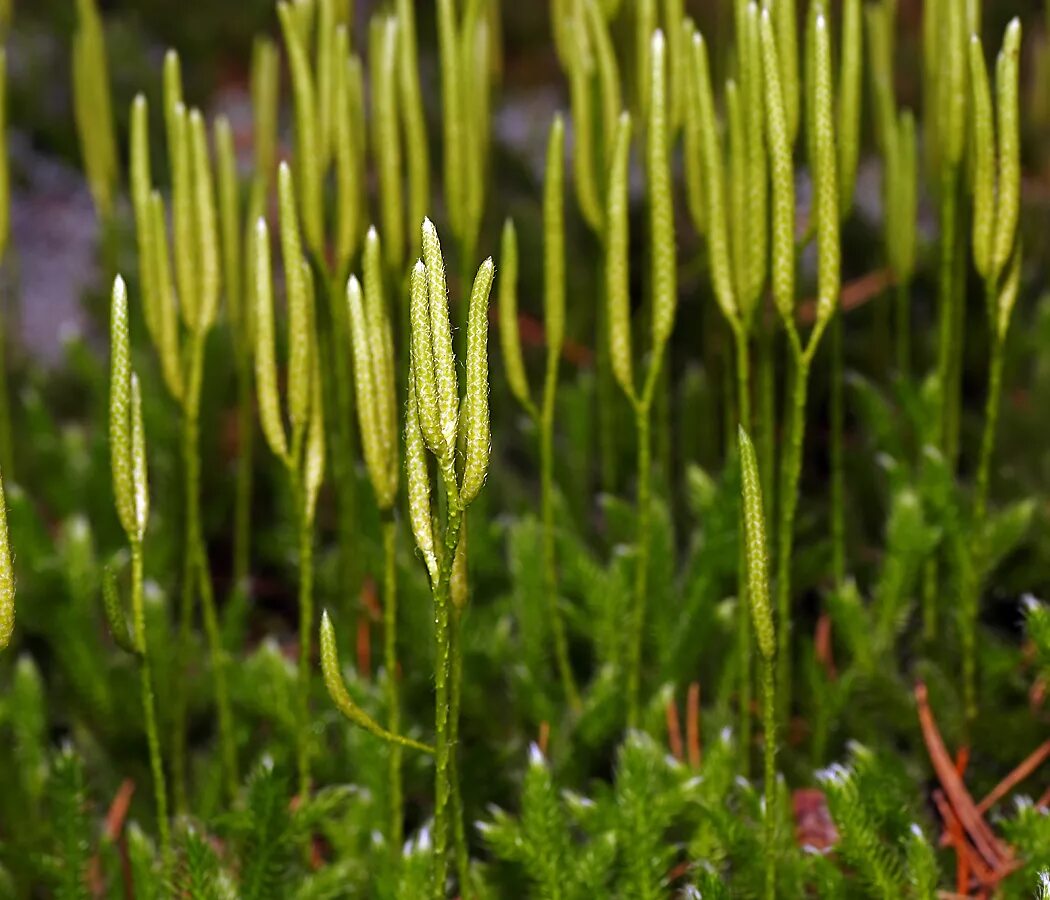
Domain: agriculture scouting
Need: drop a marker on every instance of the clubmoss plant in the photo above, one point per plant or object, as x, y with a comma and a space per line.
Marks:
327, 93
236, 227
333, 680
738, 254
373, 355
997, 257
848, 112
93, 113
826, 216
664, 302
127, 449
757, 556
434, 420
946, 75
895, 137
543, 416
413, 119
586, 51
301, 447
194, 292
465, 50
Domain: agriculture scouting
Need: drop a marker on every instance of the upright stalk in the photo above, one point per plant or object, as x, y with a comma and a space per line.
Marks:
550, 563
948, 346
641, 566
790, 471
306, 617
756, 559
149, 711
459, 835
743, 375
767, 430
242, 525
902, 294
769, 822
991, 420
436, 423
838, 475
443, 745
393, 701
339, 399
197, 577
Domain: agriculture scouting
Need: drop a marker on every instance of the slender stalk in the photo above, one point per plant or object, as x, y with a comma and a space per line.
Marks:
160, 792
902, 294
180, 701
455, 693
756, 559
946, 348
393, 702
838, 476
769, 718
338, 397
196, 576
766, 408
641, 568
970, 574
550, 563
991, 421
743, 374
443, 748
227, 738
306, 617
790, 470
605, 400
242, 524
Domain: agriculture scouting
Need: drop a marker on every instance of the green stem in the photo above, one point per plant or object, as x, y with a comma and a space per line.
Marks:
903, 298
605, 398
306, 618
641, 568
227, 738
149, 710
971, 571
393, 701
455, 691
743, 377
769, 714
946, 347
958, 342
110, 241
180, 701
242, 526
191, 531
790, 470
838, 479
766, 409
339, 418
550, 563
442, 705
991, 421
196, 572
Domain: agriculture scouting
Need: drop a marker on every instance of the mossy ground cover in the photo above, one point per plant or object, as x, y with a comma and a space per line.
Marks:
654, 506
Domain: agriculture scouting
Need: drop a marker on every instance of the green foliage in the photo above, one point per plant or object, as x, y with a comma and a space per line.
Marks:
869, 802
67, 866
